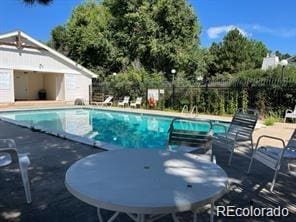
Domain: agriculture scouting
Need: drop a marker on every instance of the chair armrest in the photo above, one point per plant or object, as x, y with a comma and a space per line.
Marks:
12, 152
273, 138
8, 143
289, 111
270, 137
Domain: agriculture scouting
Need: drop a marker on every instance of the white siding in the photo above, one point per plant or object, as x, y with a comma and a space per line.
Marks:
33, 60
6, 86
76, 86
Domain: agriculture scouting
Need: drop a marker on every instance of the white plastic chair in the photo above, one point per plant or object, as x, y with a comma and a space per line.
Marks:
8, 155
124, 102
137, 103
290, 114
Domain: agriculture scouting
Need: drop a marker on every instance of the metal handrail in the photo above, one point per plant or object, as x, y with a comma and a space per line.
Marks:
185, 108
194, 108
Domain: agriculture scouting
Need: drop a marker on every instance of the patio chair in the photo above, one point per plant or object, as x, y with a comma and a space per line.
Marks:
290, 114
240, 130
275, 157
9, 155
108, 101
124, 102
185, 136
137, 103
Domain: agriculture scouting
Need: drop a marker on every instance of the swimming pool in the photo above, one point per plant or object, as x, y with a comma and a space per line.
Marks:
105, 129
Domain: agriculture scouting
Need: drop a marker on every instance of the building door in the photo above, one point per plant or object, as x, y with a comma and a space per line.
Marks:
20, 86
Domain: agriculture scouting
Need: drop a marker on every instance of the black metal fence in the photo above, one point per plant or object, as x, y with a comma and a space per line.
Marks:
216, 97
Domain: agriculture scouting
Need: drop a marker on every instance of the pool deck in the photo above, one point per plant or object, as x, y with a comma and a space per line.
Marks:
51, 157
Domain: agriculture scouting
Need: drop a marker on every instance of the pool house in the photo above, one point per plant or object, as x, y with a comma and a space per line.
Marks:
30, 70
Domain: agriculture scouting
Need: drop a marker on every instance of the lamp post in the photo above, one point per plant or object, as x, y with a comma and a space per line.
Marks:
114, 73
173, 71
199, 78
283, 63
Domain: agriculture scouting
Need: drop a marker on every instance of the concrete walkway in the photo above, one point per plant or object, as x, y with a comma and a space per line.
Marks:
52, 156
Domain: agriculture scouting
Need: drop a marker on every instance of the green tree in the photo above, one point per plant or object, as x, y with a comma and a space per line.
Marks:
87, 38
58, 39
160, 34
282, 55
257, 51
113, 35
236, 53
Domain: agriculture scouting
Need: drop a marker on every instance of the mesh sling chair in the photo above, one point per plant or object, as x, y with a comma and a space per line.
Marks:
191, 135
275, 157
9, 155
240, 130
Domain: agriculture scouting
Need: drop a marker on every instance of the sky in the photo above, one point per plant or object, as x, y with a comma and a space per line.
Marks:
270, 21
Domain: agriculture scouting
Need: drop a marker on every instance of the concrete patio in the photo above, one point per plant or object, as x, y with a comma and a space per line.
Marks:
51, 156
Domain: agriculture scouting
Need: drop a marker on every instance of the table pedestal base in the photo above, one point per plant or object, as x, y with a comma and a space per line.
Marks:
151, 218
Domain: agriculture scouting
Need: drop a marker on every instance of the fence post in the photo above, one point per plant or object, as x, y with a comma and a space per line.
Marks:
146, 97
173, 101
207, 94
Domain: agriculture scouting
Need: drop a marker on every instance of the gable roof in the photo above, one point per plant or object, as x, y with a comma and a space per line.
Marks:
31, 43
292, 59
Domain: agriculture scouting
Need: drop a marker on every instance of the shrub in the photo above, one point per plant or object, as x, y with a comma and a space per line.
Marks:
272, 118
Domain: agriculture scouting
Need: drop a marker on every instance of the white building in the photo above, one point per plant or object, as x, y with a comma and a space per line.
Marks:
270, 62
28, 66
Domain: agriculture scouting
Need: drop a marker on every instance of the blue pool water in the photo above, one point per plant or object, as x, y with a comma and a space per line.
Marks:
127, 130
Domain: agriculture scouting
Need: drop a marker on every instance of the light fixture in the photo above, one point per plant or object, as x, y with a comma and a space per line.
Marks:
284, 62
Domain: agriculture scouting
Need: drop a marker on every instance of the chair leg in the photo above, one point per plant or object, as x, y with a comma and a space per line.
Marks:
212, 211
252, 145
274, 179
250, 165
214, 159
231, 154
26, 183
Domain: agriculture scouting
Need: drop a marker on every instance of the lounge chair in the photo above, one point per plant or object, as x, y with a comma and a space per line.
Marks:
290, 114
137, 103
8, 155
240, 130
124, 102
107, 102
184, 137
275, 157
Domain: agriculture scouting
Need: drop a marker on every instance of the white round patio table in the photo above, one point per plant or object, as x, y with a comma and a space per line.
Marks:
142, 183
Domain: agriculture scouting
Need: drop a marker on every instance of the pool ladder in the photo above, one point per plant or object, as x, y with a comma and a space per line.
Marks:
185, 109
194, 111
